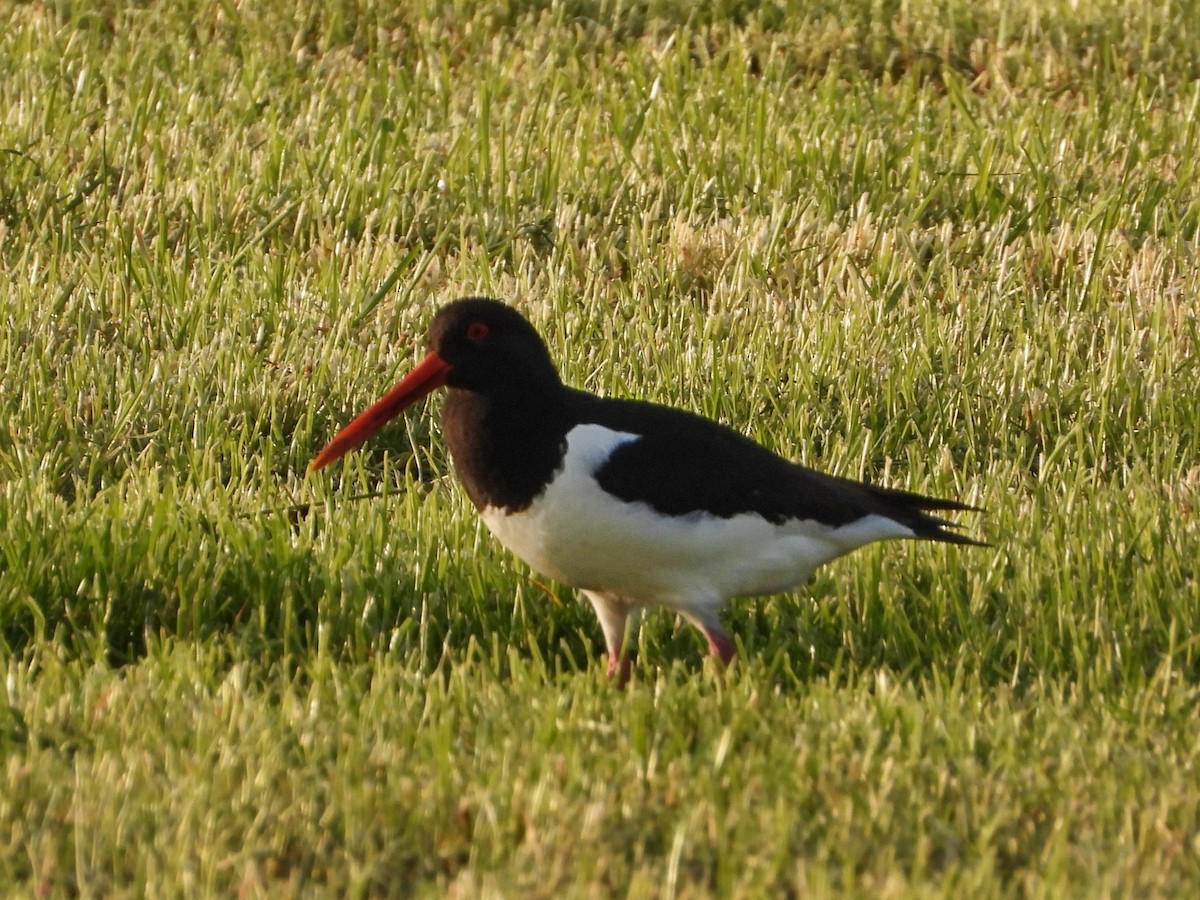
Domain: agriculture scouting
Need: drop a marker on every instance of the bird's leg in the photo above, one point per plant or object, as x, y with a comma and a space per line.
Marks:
620, 667
720, 644
613, 613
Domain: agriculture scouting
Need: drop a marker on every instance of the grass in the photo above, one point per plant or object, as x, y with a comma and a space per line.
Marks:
945, 246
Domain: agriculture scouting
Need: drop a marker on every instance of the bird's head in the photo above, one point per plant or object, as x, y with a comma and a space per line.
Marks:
475, 344
489, 347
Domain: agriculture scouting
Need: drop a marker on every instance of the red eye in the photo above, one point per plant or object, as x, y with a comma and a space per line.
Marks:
477, 331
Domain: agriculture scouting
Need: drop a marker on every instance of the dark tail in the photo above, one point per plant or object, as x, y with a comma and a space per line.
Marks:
912, 510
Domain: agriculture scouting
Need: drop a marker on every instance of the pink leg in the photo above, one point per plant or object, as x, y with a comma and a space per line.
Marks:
720, 645
620, 667
613, 613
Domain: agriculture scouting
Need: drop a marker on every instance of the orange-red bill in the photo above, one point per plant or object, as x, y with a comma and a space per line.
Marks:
430, 375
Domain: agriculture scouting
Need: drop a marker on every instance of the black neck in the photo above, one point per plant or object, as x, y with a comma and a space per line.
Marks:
506, 445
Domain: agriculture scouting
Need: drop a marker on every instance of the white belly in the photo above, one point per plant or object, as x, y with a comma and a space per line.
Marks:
577, 533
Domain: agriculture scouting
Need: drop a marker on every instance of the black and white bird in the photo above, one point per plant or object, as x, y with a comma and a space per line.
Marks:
633, 503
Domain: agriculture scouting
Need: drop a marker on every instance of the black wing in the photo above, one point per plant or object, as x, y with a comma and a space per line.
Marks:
683, 463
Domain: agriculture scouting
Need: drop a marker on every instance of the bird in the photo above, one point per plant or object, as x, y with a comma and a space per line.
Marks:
632, 503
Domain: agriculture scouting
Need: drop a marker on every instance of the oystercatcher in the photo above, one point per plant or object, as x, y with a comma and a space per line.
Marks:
633, 503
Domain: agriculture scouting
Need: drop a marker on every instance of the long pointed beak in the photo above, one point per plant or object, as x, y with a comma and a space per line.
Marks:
430, 375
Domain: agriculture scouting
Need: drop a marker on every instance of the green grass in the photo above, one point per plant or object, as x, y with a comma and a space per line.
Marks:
946, 246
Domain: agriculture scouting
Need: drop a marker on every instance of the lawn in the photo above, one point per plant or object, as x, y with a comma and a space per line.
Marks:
945, 246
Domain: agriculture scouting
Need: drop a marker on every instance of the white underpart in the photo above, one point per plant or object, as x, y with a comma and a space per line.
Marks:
577, 533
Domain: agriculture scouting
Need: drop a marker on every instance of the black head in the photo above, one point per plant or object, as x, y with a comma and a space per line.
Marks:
490, 347
475, 345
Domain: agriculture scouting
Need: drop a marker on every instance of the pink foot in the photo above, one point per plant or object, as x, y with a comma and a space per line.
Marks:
720, 645
620, 667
